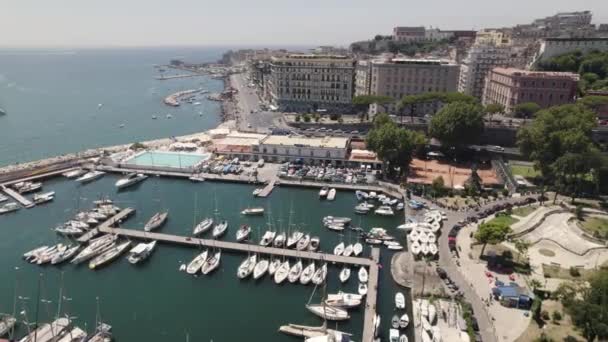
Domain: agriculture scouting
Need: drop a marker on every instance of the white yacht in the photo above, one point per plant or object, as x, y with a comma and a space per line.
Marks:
384, 211
267, 238
90, 176
95, 248
361, 208
361, 195
404, 321
197, 263
253, 211
331, 195
363, 276
319, 277
260, 268
45, 197
339, 249
344, 274
323, 192
282, 272
211, 263
109, 255
3, 198
307, 274
203, 226
141, 252
329, 313
220, 229
344, 300
25, 187
247, 266
131, 179
156, 221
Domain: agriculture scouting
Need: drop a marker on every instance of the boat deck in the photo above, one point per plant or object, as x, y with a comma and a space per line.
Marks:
110, 222
17, 197
268, 189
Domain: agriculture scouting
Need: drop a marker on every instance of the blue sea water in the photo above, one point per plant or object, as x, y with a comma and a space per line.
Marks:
52, 97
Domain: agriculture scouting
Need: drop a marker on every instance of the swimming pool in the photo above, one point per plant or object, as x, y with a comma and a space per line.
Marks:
178, 160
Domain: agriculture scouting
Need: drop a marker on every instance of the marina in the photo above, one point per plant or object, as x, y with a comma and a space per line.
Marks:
17, 197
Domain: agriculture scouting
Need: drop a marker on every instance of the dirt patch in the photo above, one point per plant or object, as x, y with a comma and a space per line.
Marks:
546, 252
425, 171
556, 331
574, 273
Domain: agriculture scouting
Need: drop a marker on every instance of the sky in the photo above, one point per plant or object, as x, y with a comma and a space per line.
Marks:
96, 23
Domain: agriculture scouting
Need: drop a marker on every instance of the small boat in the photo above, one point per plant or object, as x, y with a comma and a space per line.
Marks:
303, 243
315, 241
294, 238
3, 198
45, 197
376, 323
433, 249
90, 176
74, 173
68, 231
323, 192
197, 263
404, 321
363, 276
131, 179
361, 195
260, 268
329, 313
393, 245
9, 208
141, 252
257, 191
267, 238
67, 254
279, 240
156, 221
336, 227
295, 272
393, 335
25, 187
274, 265
400, 206
243, 232
339, 249
344, 274
336, 220
282, 272
432, 313
307, 274
348, 251
344, 300
109, 255
384, 211
362, 209
320, 274
331, 195
357, 249
203, 226
247, 267
395, 322
7, 322
253, 211
220, 229
399, 300
211, 263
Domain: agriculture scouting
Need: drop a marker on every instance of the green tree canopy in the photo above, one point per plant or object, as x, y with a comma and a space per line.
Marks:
492, 232
526, 110
457, 124
494, 108
443, 97
362, 102
593, 102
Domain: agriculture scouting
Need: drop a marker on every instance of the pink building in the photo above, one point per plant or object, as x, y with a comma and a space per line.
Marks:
510, 87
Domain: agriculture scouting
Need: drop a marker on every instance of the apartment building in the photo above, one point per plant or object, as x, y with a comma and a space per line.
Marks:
409, 34
552, 47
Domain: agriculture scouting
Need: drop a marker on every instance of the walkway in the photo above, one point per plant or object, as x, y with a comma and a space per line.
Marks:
268, 189
340, 186
371, 298
17, 197
121, 216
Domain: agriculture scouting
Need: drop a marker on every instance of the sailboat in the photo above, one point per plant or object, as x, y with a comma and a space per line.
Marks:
313, 246
197, 263
109, 255
156, 221
267, 238
7, 322
319, 277
279, 240
243, 233
303, 242
274, 266
348, 251
339, 249
202, 226
220, 228
295, 272
247, 266
260, 268
294, 238
344, 300
344, 274
363, 276
307, 274
329, 313
282, 272
211, 263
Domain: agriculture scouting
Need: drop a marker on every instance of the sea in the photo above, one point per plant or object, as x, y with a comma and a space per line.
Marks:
52, 98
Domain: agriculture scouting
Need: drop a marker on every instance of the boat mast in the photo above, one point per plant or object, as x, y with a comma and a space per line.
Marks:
12, 330
60, 300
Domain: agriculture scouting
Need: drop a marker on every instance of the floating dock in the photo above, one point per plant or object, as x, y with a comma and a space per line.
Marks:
123, 214
267, 189
17, 197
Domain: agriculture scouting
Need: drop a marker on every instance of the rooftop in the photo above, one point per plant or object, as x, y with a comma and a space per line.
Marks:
311, 56
419, 61
529, 73
326, 142
588, 39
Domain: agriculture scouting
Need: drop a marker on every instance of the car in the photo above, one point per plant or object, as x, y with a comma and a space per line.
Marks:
496, 148
441, 273
248, 125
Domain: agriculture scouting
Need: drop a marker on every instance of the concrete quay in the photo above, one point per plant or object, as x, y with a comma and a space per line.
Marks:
173, 99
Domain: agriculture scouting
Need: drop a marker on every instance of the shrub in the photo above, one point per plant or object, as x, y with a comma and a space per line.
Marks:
575, 272
545, 315
306, 118
579, 212
334, 117
557, 316
137, 146
298, 118
505, 192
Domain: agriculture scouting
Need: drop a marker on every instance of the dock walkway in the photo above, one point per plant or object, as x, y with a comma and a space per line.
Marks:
108, 223
341, 186
268, 189
371, 297
17, 197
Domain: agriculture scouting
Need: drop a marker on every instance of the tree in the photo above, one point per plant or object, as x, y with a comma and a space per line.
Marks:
438, 186
363, 102
535, 284
473, 184
494, 108
526, 110
137, 146
491, 233
586, 305
522, 247
410, 102
593, 102
457, 124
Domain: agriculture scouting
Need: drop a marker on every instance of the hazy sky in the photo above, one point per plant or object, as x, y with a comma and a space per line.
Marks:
73, 23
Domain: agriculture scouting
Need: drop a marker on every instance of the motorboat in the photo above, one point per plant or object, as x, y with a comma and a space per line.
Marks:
279, 240
203, 226
361, 195
313, 246
243, 232
399, 300
75, 334
373, 241
362, 209
282, 272
68, 230
90, 176
344, 274
372, 195
400, 206
7, 322
47, 332
274, 265
74, 173
393, 334
303, 242
260, 268
67, 254
344, 300
348, 251
31, 254
267, 238
3, 198
331, 195
415, 248
45, 197
320, 274
393, 245
211, 263
220, 229
357, 249
384, 211
156, 221
253, 211
408, 226
376, 324
141, 252
131, 179
293, 239
363, 276
49, 254
339, 249
109, 255
329, 313
247, 266
26, 187
395, 322
433, 250
197, 263
362, 289
9, 208
336, 220
404, 321
95, 248
323, 192
335, 226
295, 272
307, 274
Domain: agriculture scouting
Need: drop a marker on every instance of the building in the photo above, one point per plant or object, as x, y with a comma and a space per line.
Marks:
552, 47
510, 87
565, 25
399, 77
482, 58
406, 34
363, 78
435, 34
312, 82
492, 37
283, 148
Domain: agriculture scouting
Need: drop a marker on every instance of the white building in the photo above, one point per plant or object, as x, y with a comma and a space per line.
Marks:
552, 47
281, 148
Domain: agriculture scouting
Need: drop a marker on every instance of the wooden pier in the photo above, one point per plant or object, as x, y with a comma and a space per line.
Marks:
123, 214
268, 189
371, 298
17, 197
